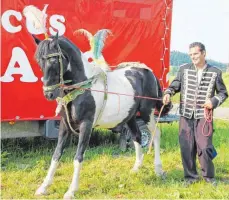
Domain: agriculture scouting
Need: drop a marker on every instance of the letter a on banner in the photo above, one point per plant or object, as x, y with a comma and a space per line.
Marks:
25, 69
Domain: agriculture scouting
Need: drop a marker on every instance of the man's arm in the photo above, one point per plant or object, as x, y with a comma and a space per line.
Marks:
221, 92
175, 86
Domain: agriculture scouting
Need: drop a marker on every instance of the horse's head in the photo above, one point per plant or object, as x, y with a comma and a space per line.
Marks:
53, 63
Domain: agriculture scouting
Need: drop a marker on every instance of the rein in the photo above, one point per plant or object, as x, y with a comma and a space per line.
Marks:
79, 88
154, 131
207, 113
208, 119
70, 97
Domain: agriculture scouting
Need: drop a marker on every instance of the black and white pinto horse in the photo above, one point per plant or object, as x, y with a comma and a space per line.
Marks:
62, 61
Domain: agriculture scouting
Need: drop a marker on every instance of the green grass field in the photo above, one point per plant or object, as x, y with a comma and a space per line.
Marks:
106, 170
176, 98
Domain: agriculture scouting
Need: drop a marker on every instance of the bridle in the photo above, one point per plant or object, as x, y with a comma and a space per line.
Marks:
78, 88
62, 81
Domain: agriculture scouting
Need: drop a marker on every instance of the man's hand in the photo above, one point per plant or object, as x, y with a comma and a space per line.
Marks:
166, 99
208, 104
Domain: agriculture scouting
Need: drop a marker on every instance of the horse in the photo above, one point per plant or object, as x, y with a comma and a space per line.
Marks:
88, 97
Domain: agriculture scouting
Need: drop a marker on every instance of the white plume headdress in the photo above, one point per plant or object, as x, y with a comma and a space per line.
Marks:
36, 17
89, 36
96, 41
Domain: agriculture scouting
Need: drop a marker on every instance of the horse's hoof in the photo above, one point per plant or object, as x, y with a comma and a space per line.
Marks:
134, 170
159, 172
163, 175
136, 167
40, 191
138, 164
69, 195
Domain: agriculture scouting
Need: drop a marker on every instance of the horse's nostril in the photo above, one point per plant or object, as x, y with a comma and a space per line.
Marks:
50, 95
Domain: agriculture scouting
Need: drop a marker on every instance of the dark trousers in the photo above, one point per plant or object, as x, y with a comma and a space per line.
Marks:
193, 142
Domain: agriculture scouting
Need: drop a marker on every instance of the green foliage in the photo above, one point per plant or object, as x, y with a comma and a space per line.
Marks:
178, 58
4, 158
173, 70
106, 171
222, 66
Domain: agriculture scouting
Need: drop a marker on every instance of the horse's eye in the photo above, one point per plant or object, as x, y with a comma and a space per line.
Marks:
52, 60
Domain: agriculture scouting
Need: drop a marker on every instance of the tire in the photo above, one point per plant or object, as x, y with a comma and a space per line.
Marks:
146, 135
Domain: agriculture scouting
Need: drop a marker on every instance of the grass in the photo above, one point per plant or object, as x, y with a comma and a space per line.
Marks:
176, 98
106, 170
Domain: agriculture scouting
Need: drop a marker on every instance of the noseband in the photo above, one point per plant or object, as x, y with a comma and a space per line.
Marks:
62, 81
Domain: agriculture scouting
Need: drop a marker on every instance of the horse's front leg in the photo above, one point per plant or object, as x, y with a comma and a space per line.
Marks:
84, 137
136, 136
156, 141
157, 158
63, 139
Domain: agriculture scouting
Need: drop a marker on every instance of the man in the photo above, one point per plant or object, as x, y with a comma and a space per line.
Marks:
197, 82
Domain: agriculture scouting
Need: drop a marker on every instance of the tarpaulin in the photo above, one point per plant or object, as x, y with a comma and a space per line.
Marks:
140, 32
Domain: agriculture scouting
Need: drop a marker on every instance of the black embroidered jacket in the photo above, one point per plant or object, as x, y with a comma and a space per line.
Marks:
194, 94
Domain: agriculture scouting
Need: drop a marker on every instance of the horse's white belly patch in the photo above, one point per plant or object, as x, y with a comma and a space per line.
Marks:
117, 106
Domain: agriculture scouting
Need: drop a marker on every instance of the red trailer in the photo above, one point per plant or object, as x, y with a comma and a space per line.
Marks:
140, 29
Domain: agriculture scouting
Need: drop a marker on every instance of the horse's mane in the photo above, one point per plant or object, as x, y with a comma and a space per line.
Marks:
65, 41
40, 49
45, 43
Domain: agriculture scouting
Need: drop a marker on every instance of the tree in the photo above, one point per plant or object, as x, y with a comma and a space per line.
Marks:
179, 58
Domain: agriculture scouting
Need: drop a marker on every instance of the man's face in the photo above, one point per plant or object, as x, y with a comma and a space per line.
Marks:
197, 57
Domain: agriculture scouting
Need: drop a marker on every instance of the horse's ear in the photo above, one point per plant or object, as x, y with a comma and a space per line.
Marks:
57, 35
36, 39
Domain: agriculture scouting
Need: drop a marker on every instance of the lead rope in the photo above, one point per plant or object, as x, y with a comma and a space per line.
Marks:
208, 119
62, 90
104, 76
68, 120
153, 133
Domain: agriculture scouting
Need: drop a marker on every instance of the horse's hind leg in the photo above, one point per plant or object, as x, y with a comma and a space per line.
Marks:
62, 141
84, 137
156, 141
136, 136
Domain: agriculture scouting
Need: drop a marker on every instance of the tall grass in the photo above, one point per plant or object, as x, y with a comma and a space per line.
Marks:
106, 170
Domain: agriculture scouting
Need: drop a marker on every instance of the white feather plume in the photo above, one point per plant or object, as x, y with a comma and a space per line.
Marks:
84, 32
88, 35
36, 17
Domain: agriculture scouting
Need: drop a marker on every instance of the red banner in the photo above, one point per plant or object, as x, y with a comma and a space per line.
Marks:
140, 32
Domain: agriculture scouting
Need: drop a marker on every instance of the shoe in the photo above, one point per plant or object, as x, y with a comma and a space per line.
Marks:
211, 181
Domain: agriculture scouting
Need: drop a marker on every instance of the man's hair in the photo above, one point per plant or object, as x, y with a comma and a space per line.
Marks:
197, 44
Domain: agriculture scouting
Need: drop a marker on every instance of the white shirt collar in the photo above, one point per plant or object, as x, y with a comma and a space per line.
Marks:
201, 69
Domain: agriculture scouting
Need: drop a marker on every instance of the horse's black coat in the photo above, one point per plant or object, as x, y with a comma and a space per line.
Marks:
82, 109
